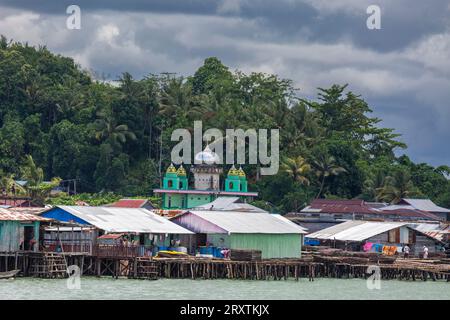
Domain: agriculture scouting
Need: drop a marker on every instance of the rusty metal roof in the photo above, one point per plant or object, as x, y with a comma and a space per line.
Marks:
333, 206
338, 206
437, 231
15, 215
129, 203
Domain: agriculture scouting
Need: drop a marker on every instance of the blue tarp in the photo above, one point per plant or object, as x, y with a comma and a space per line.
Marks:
312, 242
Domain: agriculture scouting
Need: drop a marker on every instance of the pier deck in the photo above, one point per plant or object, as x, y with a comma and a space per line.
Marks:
42, 265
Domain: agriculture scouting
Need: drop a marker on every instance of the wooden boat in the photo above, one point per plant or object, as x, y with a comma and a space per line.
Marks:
9, 274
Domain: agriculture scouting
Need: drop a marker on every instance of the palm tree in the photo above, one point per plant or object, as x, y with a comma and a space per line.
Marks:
373, 185
37, 189
297, 168
108, 130
129, 89
178, 102
31, 172
8, 186
396, 187
325, 166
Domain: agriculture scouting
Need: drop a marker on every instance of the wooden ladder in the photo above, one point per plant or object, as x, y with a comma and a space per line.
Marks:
52, 265
146, 268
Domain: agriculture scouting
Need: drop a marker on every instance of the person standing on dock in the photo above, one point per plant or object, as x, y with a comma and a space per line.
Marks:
405, 251
425, 252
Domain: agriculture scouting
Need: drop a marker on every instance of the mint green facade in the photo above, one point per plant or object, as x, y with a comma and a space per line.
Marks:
195, 200
185, 201
173, 180
173, 201
12, 234
176, 179
236, 180
271, 245
235, 183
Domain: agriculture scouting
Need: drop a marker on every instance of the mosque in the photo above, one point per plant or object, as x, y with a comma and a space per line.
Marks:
177, 195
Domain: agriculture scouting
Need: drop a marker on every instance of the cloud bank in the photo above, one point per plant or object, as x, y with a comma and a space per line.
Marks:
402, 70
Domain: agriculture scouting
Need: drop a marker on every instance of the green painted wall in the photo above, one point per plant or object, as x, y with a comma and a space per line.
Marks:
235, 184
194, 200
176, 201
190, 200
271, 245
11, 233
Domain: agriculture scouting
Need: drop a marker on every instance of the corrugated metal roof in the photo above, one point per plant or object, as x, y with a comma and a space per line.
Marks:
409, 211
291, 223
229, 204
433, 230
376, 205
397, 207
128, 203
29, 210
425, 205
338, 206
355, 230
10, 215
125, 220
249, 222
331, 206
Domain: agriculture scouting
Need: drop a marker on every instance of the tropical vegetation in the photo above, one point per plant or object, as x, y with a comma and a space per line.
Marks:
113, 137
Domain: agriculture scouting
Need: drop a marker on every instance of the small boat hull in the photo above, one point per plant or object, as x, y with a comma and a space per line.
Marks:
171, 254
9, 274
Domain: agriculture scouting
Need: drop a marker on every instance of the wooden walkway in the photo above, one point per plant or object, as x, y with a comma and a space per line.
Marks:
55, 265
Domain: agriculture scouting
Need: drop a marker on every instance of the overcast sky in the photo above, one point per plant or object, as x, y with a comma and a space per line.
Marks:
402, 70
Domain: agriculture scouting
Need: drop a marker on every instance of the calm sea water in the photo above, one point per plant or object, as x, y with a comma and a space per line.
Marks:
107, 288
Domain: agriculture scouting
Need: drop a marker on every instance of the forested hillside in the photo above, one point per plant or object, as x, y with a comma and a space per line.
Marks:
108, 136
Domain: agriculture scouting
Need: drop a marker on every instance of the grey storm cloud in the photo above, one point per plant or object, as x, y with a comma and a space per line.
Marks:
402, 70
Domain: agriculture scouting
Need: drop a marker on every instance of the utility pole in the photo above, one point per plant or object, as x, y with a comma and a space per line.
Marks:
160, 155
69, 181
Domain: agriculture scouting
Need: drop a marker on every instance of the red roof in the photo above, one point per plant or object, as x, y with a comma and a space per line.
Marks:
341, 206
129, 203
